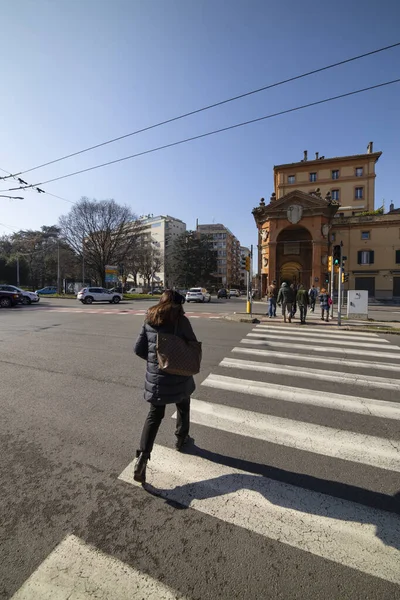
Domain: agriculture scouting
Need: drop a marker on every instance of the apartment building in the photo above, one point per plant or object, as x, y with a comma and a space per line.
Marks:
161, 230
244, 253
228, 253
321, 202
348, 180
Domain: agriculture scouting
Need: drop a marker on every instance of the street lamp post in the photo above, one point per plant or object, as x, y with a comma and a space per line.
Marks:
58, 266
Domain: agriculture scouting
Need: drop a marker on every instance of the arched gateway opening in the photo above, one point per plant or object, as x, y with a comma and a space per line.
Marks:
294, 255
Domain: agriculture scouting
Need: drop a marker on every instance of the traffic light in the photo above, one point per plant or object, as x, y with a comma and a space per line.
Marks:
337, 255
247, 267
344, 258
330, 263
326, 277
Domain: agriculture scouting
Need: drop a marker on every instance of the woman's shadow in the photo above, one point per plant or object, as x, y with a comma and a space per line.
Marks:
294, 491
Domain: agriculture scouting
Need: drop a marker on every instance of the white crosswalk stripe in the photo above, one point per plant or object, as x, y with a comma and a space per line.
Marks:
367, 381
75, 570
348, 533
343, 362
336, 529
325, 349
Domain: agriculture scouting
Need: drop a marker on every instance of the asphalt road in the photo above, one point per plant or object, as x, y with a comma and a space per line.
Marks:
296, 520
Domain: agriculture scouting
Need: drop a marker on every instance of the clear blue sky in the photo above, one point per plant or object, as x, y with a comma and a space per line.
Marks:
77, 72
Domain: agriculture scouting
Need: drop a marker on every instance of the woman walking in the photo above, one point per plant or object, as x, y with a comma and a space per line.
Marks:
324, 298
163, 388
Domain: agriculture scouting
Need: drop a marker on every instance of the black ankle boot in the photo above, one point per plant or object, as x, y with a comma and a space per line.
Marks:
139, 470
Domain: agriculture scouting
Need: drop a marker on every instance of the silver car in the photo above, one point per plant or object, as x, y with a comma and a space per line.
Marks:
88, 295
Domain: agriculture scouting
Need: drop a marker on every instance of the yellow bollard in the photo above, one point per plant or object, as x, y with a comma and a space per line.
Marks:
248, 307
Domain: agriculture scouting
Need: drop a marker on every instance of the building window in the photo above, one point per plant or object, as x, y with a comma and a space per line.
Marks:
291, 179
333, 237
397, 257
365, 235
359, 172
335, 194
335, 174
313, 177
365, 257
359, 193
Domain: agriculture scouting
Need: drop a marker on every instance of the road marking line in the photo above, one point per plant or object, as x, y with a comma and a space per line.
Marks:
319, 359
347, 533
322, 349
318, 439
325, 331
368, 381
77, 570
318, 334
362, 406
352, 342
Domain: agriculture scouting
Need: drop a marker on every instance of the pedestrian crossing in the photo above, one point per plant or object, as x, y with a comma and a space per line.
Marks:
340, 530
332, 398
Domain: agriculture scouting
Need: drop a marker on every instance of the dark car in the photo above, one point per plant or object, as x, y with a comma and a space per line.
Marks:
8, 299
222, 293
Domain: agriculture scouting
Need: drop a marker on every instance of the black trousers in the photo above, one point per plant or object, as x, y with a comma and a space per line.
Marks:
303, 312
153, 422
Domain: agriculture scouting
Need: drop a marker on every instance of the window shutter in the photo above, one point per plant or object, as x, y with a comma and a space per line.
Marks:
371, 257
359, 253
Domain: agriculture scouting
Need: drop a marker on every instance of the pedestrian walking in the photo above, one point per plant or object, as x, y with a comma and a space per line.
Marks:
312, 294
293, 287
162, 388
272, 293
285, 298
302, 300
325, 303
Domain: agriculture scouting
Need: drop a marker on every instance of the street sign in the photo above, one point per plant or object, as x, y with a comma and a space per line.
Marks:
112, 273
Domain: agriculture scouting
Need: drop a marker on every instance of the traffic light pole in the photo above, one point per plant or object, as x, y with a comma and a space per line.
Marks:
331, 291
340, 287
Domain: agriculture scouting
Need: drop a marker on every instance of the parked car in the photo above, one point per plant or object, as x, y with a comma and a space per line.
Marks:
198, 295
155, 292
26, 297
9, 299
234, 293
46, 291
222, 293
135, 290
97, 294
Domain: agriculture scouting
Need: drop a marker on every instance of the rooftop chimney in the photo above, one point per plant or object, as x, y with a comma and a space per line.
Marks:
370, 148
316, 155
305, 155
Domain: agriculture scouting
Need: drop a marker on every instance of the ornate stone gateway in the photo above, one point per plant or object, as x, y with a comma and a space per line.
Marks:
293, 238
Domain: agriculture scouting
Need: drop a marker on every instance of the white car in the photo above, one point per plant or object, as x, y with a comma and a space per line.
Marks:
198, 295
234, 293
88, 295
27, 297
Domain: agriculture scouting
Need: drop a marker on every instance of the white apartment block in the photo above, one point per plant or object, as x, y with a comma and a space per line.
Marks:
162, 230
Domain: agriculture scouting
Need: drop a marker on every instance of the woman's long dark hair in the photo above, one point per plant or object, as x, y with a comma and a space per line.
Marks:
168, 310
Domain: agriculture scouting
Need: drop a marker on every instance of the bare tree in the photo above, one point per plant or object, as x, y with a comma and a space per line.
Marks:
150, 260
100, 232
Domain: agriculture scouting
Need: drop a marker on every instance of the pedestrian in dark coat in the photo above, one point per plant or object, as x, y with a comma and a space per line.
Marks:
163, 388
302, 301
285, 297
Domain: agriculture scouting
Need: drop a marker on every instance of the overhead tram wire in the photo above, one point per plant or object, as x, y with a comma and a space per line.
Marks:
210, 106
41, 191
209, 133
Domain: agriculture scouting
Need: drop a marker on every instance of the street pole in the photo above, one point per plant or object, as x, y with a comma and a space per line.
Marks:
250, 274
339, 308
17, 271
332, 290
58, 266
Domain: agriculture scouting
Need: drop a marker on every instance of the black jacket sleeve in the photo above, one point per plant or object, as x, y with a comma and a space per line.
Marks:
141, 347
